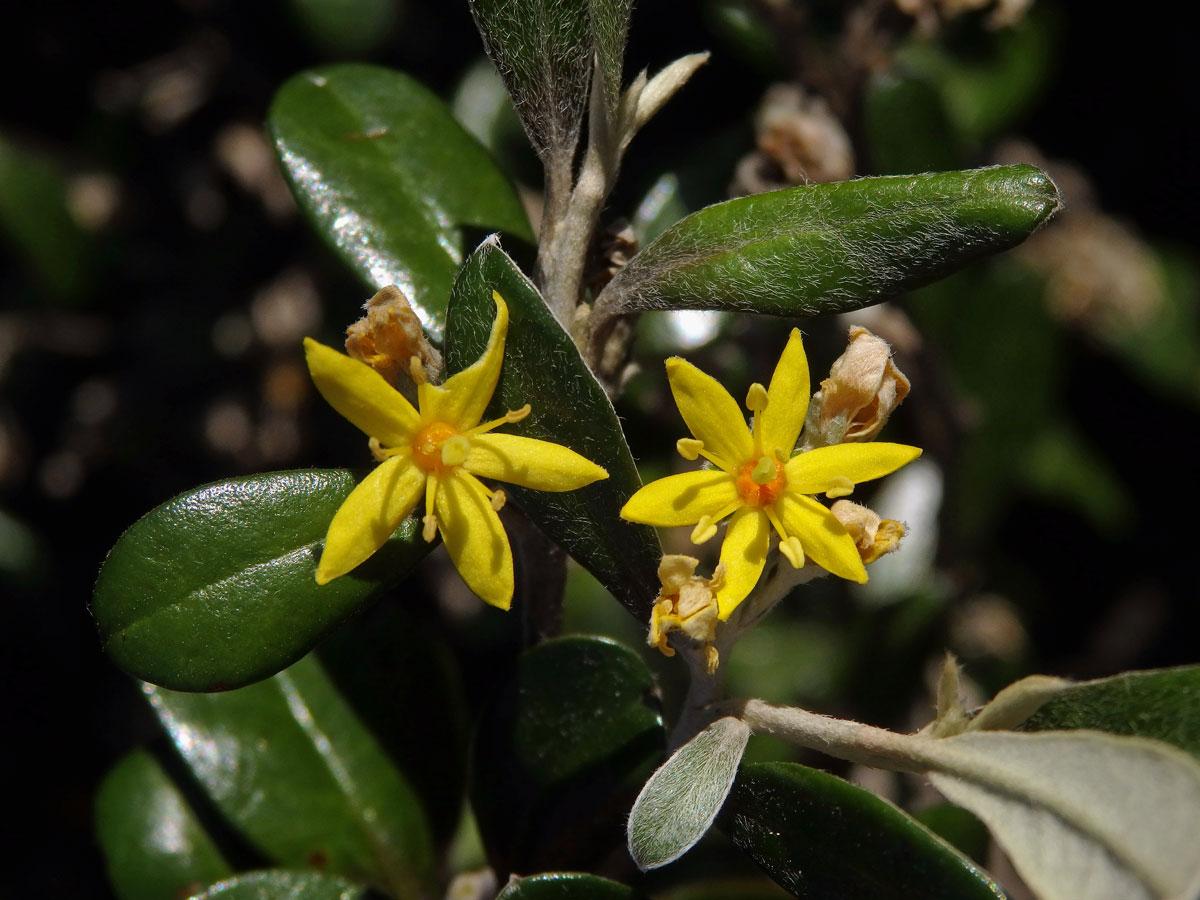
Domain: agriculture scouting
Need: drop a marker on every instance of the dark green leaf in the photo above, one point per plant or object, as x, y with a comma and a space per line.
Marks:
296, 772
1158, 704
827, 248
682, 798
567, 886
388, 177
276, 884
543, 51
36, 223
821, 837
561, 754
215, 588
395, 670
906, 125
542, 367
153, 844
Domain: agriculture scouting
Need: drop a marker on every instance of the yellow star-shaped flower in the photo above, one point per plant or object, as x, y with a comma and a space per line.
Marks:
757, 482
436, 451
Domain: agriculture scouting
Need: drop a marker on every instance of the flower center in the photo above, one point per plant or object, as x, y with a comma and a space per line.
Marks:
438, 447
760, 481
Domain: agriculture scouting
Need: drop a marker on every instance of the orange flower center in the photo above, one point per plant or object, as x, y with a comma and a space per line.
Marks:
760, 481
427, 446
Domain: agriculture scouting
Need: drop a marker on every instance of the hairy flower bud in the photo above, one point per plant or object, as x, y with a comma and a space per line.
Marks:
389, 337
864, 387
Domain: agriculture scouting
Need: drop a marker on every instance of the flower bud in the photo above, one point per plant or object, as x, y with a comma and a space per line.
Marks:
389, 336
864, 387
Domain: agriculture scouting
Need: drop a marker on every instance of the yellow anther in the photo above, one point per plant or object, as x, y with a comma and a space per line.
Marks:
455, 450
689, 448
377, 450
764, 471
793, 550
712, 658
498, 498
756, 398
516, 415
704, 530
429, 527
839, 486
416, 370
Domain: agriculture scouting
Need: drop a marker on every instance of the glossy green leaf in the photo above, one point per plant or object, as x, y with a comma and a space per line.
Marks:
958, 827
395, 670
567, 886
293, 768
819, 837
154, 846
215, 588
277, 884
561, 754
37, 224
1157, 704
543, 51
389, 178
542, 367
682, 798
827, 248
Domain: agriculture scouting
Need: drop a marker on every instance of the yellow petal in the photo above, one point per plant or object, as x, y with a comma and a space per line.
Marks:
360, 394
682, 499
710, 413
828, 467
461, 400
825, 541
367, 518
787, 398
475, 538
744, 553
530, 463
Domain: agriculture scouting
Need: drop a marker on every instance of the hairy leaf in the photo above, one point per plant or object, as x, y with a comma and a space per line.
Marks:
682, 798
277, 884
827, 248
1081, 813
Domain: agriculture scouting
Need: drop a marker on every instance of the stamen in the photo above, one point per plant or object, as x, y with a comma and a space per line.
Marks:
793, 550
763, 471
455, 450
498, 498
756, 402
756, 398
689, 448
377, 450
416, 370
704, 530
712, 659
839, 486
513, 415
516, 415
429, 531
721, 464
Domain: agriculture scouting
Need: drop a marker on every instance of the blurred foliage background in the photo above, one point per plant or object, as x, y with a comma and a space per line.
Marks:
156, 281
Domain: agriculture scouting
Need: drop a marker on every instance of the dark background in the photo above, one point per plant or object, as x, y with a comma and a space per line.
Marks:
107, 386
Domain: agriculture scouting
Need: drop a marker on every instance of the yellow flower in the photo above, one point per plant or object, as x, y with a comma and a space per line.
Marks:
757, 482
436, 452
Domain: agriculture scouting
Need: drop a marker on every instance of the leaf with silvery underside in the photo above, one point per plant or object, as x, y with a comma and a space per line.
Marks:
681, 800
1081, 813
